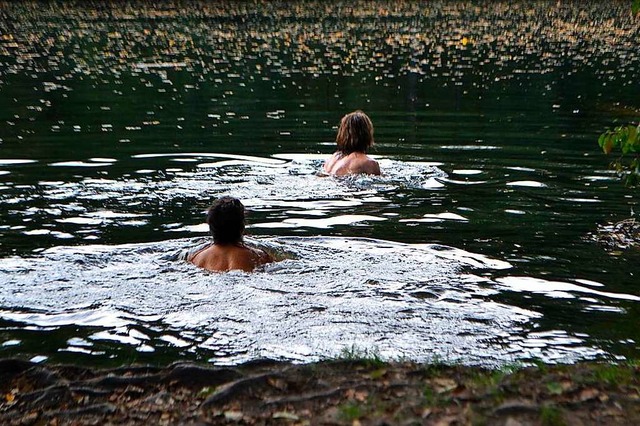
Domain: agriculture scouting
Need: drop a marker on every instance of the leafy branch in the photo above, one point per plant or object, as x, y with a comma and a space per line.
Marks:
626, 140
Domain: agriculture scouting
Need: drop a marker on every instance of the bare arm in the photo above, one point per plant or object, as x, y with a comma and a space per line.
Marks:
329, 163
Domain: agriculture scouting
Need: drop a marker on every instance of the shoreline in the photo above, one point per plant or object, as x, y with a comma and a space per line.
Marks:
333, 392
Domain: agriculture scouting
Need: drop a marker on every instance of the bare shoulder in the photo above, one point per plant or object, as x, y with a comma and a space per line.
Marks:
372, 167
330, 162
354, 163
367, 165
202, 257
260, 256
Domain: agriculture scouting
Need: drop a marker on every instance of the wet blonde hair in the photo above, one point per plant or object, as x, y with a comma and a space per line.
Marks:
355, 133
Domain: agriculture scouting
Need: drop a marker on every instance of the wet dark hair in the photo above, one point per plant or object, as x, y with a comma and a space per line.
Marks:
226, 220
355, 133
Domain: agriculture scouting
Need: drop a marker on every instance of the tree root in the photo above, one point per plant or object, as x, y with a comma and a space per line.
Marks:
239, 387
197, 377
90, 410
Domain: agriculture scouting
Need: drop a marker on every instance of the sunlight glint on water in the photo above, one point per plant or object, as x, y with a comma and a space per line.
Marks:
475, 246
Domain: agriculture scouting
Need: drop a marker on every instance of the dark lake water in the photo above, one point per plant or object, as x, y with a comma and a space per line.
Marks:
120, 123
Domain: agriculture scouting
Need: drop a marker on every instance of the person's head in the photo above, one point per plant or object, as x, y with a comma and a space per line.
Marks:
355, 133
226, 220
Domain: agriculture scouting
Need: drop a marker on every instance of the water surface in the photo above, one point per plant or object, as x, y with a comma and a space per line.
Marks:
120, 125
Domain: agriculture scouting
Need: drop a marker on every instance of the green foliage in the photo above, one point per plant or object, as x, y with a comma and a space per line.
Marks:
611, 374
432, 398
489, 379
551, 416
370, 357
350, 411
555, 388
539, 364
633, 363
636, 6
626, 140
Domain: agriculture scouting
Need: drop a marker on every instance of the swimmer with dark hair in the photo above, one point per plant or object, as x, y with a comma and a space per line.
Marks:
355, 137
226, 219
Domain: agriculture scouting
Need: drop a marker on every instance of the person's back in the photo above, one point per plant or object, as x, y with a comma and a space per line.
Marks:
227, 257
228, 251
355, 137
354, 163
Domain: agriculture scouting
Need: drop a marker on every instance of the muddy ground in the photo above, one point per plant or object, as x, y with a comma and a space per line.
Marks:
342, 392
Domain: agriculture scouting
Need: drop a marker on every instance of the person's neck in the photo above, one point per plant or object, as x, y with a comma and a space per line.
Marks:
346, 154
232, 244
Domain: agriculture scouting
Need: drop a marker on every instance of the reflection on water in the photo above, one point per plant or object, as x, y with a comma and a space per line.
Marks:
119, 125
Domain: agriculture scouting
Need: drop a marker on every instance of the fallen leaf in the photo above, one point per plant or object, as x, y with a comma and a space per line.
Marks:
443, 384
206, 391
361, 396
566, 384
512, 422
588, 394
235, 416
378, 373
399, 393
613, 413
555, 388
277, 383
462, 393
447, 421
285, 415
31, 417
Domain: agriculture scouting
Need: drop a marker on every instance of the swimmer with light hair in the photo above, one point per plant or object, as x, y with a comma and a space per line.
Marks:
355, 137
226, 219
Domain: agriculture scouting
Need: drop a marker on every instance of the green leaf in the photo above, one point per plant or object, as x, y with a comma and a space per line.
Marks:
601, 140
625, 145
626, 140
635, 8
625, 149
607, 146
632, 139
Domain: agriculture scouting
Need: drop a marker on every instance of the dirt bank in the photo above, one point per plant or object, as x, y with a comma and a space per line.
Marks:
331, 392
